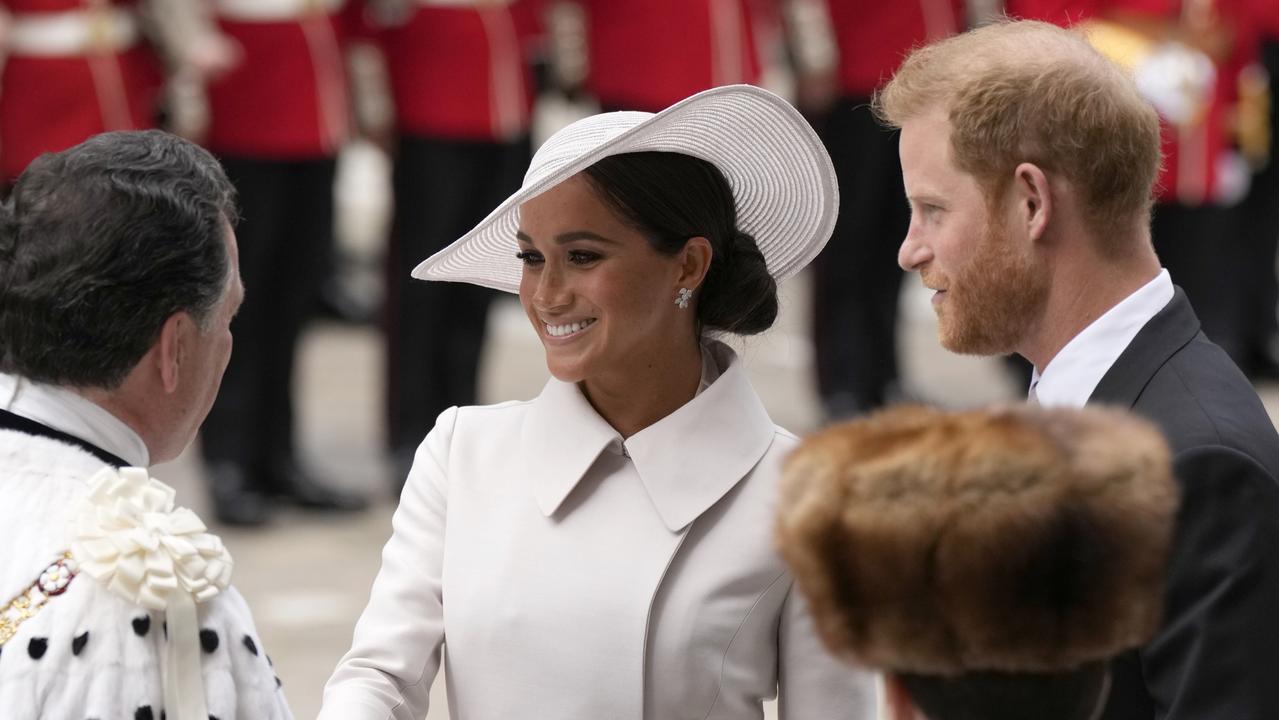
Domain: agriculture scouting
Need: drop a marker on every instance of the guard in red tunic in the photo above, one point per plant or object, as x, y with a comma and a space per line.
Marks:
462, 92
276, 121
1192, 219
649, 54
845, 50
74, 68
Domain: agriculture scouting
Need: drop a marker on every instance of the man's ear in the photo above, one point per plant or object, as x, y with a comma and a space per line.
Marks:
897, 703
1033, 198
172, 349
695, 262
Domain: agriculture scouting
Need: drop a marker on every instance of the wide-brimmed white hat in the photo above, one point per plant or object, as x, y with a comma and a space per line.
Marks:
782, 179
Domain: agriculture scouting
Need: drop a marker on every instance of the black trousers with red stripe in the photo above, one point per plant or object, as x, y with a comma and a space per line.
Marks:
435, 330
856, 277
285, 240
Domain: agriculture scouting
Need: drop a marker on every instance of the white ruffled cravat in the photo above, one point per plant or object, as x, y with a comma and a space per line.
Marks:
127, 535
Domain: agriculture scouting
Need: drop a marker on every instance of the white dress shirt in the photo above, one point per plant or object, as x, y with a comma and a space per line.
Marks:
73, 414
1073, 375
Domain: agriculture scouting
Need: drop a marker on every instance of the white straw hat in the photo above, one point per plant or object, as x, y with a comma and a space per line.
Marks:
782, 179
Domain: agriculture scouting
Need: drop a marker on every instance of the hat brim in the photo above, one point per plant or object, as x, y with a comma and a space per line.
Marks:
781, 176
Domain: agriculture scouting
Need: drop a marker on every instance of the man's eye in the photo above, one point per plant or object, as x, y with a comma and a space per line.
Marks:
528, 257
582, 257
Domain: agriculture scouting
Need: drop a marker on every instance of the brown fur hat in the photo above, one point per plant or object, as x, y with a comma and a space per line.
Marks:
1015, 539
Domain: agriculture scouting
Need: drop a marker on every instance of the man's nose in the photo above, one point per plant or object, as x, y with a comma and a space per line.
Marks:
913, 254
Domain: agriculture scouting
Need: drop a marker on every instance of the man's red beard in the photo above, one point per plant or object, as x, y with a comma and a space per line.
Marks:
994, 300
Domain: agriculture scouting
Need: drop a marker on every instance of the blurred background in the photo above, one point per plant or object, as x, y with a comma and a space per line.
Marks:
364, 135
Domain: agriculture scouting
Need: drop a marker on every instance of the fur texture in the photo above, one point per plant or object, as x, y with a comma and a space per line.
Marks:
1018, 539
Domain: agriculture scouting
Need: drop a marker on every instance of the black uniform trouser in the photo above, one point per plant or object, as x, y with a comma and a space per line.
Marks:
285, 239
1258, 228
435, 330
1203, 256
856, 277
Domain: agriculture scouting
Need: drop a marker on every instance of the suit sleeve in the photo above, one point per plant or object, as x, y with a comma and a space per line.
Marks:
395, 655
813, 684
1219, 644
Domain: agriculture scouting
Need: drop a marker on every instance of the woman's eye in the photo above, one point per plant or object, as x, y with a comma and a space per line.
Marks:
582, 257
528, 257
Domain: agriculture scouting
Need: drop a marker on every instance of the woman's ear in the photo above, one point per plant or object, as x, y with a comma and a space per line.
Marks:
695, 262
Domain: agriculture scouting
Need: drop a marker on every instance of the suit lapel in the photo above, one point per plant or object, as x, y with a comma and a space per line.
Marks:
1166, 333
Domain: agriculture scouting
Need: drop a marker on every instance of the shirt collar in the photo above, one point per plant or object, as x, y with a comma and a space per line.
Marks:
71, 413
687, 460
1071, 376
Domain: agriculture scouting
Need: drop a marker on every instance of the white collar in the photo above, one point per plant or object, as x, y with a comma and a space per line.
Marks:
1072, 376
687, 460
71, 413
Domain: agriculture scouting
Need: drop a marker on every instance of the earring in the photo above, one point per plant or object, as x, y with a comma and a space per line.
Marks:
683, 297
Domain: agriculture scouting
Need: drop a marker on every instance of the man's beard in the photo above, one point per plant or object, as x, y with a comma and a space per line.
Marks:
992, 303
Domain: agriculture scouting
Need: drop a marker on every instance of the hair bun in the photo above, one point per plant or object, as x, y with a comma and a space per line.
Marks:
739, 295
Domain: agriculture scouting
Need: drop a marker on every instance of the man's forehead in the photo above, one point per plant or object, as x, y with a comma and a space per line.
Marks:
925, 145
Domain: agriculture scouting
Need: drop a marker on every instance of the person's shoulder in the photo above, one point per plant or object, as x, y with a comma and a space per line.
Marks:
1203, 402
23, 455
463, 421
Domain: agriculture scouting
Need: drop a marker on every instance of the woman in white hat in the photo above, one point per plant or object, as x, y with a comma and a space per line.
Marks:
605, 550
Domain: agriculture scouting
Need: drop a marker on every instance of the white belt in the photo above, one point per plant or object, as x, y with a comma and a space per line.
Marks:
73, 32
274, 10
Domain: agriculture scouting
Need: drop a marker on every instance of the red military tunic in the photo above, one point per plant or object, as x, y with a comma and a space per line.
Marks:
460, 72
286, 100
648, 54
1190, 173
874, 37
1071, 12
58, 89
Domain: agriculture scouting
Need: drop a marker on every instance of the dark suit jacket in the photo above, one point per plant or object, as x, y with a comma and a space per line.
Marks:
1216, 656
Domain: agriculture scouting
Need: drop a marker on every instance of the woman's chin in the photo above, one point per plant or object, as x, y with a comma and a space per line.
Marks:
565, 369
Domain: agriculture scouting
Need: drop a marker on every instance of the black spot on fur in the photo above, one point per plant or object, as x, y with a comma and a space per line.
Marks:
144, 713
277, 681
78, 643
208, 640
142, 625
37, 647
252, 646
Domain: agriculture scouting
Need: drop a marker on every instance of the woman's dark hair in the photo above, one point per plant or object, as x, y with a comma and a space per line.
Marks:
1069, 695
99, 245
672, 197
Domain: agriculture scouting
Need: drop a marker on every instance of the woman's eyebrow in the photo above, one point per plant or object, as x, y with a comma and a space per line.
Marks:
569, 236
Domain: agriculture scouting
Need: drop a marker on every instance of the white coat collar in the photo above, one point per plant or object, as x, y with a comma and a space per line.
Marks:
687, 460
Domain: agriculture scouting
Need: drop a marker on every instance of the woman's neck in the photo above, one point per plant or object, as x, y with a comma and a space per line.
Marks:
648, 389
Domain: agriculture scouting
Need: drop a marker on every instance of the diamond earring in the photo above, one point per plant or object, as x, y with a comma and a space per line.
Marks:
683, 297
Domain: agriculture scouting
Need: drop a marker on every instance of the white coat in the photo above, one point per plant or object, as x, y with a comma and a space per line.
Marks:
564, 574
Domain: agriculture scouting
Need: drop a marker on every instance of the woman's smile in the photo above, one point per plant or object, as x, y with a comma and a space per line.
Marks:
568, 330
